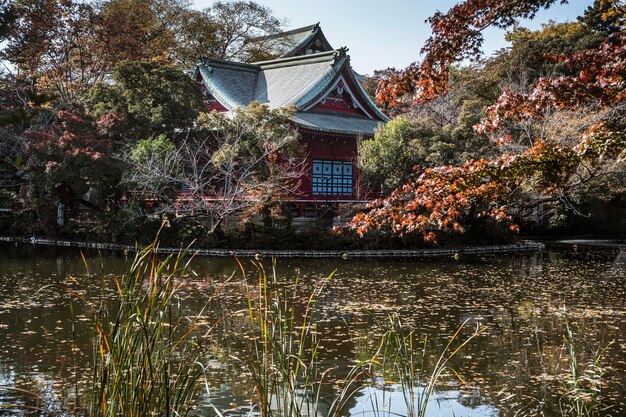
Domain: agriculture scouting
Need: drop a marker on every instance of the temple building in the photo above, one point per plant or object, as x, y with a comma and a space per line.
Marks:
333, 112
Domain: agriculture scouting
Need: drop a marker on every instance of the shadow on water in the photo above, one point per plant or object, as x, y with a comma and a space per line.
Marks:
525, 301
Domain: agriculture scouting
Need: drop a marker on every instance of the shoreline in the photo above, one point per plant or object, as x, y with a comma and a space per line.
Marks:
522, 247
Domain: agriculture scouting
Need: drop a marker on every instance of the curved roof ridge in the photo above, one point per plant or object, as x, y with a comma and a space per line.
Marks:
367, 98
295, 60
292, 42
206, 62
285, 33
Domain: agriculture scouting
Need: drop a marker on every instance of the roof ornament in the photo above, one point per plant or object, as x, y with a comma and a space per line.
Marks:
339, 53
340, 87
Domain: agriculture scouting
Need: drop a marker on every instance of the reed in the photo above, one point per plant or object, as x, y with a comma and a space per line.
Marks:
404, 361
283, 354
146, 359
583, 382
149, 356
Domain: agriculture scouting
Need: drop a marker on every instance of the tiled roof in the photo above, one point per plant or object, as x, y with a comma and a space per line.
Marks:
336, 123
294, 81
289, 43
298, 81
232, 84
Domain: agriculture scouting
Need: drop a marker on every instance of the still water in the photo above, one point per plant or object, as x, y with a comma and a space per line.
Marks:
514, 367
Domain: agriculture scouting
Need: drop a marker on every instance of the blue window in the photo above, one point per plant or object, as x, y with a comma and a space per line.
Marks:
332, 178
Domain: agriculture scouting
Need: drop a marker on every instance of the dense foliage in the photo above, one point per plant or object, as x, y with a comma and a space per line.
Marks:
98, 111
90, 89
559, 118
404, 143
145, 100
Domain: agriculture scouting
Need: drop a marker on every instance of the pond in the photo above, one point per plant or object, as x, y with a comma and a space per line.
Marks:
516, 365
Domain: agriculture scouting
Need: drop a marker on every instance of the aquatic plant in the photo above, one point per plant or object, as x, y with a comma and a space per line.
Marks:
282, 353
583, 383
146, 358
405, 362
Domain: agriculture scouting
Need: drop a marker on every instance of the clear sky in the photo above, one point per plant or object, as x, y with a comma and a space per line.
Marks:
388, 33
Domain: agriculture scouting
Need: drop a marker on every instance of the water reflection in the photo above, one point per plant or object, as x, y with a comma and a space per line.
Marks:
375, 401
620, 260
393, 401
524, 300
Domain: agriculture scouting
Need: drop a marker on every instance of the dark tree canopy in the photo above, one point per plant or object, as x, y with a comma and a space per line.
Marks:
7, 16
147, 99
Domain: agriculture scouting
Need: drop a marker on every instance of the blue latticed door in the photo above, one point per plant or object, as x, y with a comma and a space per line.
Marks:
333, 178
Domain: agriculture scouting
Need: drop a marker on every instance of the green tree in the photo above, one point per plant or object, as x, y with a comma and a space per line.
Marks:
388, 159
530, 55
147, 99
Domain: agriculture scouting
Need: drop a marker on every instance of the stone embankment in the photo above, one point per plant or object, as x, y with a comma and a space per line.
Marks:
521, 247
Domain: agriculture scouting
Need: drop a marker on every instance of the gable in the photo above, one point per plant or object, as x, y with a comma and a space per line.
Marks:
340, 99
209, 101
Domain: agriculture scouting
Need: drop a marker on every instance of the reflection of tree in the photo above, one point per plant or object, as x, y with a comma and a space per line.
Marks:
620, 259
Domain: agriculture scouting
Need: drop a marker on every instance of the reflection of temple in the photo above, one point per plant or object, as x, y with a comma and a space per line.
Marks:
333, 112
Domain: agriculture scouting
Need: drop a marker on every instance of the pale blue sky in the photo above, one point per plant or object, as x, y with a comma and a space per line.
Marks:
389, 33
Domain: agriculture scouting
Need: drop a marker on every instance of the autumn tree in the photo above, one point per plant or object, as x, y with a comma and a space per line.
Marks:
240, 164
449, 198
197, 36
149, 29
439, 132
172, 30
62, 46
66, 161
237, 23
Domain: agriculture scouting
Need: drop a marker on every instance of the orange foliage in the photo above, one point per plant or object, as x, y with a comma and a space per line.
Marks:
446, 198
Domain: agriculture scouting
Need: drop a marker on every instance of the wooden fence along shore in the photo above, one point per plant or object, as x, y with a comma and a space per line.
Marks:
525, 246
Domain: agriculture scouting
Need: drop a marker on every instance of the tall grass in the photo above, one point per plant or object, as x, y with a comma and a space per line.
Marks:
149, 356
405, 362
283, 355
583, 383
146, 360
